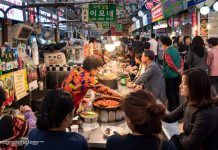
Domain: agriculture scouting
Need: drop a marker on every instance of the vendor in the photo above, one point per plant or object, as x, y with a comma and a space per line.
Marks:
80, 80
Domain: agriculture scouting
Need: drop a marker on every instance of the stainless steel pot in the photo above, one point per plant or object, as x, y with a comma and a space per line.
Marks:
89, 119
108, 115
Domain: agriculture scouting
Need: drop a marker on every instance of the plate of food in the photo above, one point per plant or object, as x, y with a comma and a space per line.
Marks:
112, 130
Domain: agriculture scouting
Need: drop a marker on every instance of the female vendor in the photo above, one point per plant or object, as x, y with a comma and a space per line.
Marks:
80, 80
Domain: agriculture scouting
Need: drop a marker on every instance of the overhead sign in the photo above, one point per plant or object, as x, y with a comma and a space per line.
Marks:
145, 20
213, 21
137, 24
149, 17
102, 12
15, 2
85, 13
157, 12
172, 7
149, 4
191, 3
13, 14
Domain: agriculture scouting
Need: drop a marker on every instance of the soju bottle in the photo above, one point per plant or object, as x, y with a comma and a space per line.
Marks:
123, 80
14, 58
7, 62
3, 63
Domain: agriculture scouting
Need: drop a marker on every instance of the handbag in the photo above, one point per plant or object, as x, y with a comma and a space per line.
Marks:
176, 139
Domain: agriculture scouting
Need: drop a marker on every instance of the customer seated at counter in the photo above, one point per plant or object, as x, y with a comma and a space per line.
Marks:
198, 112
80, 80
151, 78
14, 127
138, 69
56, 115
143, 116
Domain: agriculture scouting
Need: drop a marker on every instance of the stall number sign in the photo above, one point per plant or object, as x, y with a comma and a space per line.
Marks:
102, 12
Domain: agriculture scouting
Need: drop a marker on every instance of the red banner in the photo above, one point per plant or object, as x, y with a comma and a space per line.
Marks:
157, 13
194, 24
149, 4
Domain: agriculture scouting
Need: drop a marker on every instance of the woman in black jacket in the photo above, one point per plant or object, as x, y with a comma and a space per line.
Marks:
185, 48
198, 112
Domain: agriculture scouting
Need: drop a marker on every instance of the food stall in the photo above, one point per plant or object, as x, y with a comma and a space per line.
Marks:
104, 116
98, 134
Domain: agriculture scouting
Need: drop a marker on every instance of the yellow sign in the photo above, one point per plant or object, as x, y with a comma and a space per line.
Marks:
7, 83
20, 84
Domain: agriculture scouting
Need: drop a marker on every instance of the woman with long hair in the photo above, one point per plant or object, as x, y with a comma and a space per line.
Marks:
198, 112
143, 116
197, 56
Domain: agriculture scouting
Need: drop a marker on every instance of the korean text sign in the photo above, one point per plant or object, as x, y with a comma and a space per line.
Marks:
102, 12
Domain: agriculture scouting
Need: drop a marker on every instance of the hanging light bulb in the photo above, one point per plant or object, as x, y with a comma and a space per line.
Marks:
113, 38
140, 14
205, 10
215, 6
110, 47
117, 43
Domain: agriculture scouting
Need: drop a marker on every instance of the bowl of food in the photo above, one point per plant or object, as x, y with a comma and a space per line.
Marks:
89, 116
109, 80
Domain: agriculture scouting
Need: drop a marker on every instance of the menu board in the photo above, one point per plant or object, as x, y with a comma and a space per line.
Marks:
213, 23
20, 84
7, 83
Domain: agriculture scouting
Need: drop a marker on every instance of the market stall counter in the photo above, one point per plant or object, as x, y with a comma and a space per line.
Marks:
97, 137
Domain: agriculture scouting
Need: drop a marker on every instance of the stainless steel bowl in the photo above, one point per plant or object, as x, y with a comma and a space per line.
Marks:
89, 119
